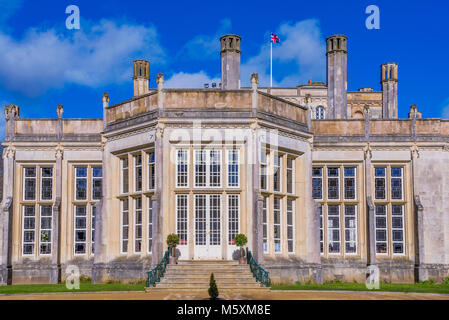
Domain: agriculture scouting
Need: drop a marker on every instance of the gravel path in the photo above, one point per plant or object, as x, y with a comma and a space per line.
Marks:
273, 295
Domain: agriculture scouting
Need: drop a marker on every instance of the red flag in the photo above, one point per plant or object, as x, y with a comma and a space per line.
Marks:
275, 38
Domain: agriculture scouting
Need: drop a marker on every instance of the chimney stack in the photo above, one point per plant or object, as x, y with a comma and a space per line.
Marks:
389, 80
337, 57
230, 62
141, 77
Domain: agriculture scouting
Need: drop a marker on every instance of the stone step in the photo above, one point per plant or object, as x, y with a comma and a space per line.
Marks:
204, 290
209, 267
200, 262
176, 285
206, 281
228, 276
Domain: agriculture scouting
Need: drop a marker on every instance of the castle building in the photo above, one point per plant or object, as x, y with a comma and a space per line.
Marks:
324, 182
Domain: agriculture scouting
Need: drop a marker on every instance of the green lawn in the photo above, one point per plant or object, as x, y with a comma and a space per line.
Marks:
422, 287
84, 287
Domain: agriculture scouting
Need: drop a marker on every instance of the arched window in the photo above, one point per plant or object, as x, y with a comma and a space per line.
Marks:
319, 113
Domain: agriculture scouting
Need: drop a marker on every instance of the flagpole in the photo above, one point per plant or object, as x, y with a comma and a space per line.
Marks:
271, 63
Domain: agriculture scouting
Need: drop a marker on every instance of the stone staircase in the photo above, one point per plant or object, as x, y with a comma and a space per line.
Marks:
195, 275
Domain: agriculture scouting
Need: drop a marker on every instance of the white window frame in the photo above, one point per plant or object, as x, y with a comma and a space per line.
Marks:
86, 251
233, 219
184, 219
86, 178
402, 216
354, 229
338, 182
230, 162
349, 177
151, 170
330, 229
322, 247
24, 230
150, 225
29, 178
386, 230
187, 163
122, 226
319, 113
391, 184
265, 224
42, 178
278, 169
135, 167
263, 168
292, 225
384, 177
135, 225
93, 179
278, 225
49, 242
208, 171
92, 228
321, 179
292, 170
122, 175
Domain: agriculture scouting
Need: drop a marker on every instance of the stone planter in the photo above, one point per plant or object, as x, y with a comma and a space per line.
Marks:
173, 260
242, 258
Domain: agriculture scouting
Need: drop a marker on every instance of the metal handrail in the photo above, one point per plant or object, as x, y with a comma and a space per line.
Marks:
157, 273
259, 273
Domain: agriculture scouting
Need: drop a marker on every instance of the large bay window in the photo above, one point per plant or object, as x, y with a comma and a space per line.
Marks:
389, 210
338, 214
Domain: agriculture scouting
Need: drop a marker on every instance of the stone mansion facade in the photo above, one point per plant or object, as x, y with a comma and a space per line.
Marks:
323, 181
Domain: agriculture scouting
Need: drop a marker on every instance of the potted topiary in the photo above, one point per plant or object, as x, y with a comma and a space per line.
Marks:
172, 242
240, 241
213, 290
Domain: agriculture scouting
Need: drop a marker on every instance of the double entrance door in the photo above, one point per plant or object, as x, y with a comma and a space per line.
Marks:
210, 223
208, 226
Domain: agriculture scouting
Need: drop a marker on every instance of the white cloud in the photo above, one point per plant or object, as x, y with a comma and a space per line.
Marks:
445, 113
190, 80
205, 46
2, 120
302, 47
95, 55
299, 57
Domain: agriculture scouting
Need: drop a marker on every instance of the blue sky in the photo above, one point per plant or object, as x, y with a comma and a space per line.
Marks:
43, 64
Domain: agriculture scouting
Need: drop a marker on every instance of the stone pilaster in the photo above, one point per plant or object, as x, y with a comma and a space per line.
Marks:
254, 102
6, 215
99, 271
55, 275
257, 203
157, 251
370, 210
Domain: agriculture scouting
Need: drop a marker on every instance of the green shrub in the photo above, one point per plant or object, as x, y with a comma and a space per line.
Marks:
213, 290
172, 240
240, 240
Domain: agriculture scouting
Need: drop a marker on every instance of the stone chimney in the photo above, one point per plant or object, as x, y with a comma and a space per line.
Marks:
389, 81
141, 77
230, 62
337, 74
